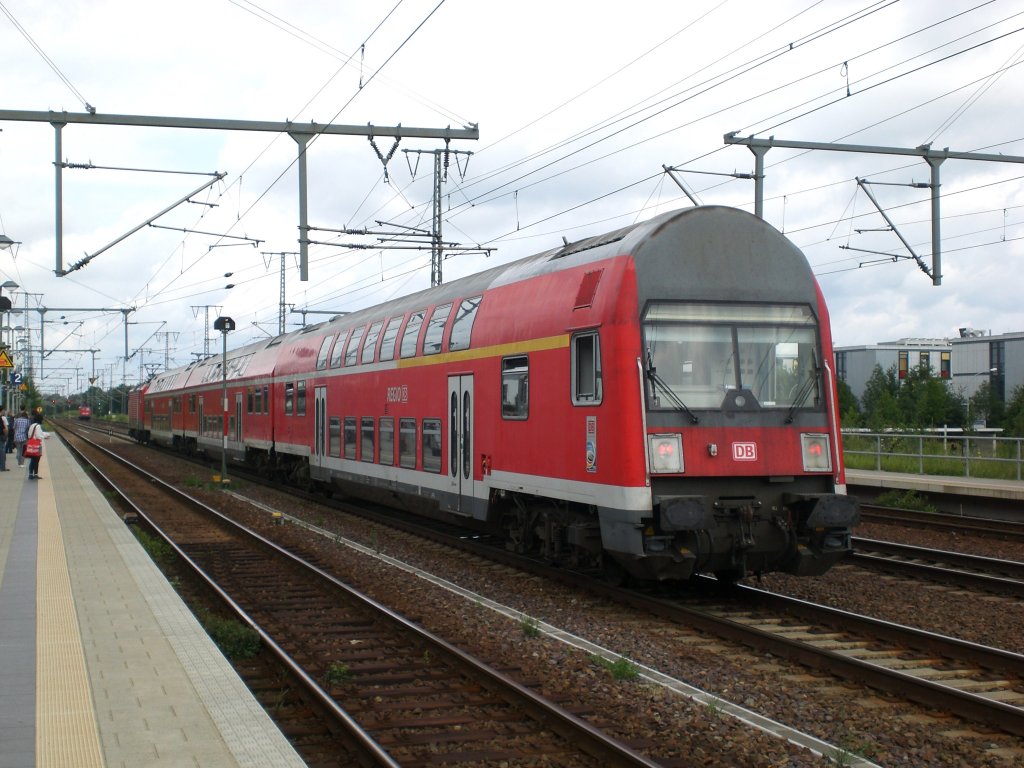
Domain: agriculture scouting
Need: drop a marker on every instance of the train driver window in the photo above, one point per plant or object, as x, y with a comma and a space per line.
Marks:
462, 325
515, 387
432, 445
412, 334
435, 329
587, 386
325, 350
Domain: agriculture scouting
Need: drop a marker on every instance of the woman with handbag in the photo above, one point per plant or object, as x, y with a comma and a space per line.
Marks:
34, 446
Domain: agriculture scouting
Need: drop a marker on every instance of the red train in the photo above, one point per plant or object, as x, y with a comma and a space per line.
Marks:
657, 401
84, 412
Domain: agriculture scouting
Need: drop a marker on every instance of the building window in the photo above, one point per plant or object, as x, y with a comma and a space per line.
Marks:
515, 387
841, 366
946, 369
432, 445
904, 364
997, 368
289, 398
407, 443
925, 360
585, 349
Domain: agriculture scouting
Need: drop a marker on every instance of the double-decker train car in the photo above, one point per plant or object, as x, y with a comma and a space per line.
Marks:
657, 401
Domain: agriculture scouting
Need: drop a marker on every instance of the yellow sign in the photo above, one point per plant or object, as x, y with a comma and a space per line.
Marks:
5, 359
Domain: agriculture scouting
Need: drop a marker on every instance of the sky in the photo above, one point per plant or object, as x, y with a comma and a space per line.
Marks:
580, 106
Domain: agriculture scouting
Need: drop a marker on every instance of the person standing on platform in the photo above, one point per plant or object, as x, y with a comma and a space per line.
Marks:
4, 429
36, 431
10, 431
21, 425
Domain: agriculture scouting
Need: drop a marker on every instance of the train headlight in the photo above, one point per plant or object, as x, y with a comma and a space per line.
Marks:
816, 452
666, 453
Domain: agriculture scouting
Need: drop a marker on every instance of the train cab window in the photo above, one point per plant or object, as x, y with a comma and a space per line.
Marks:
338, 351
432, 445
697, 354
435, 329
366, 452
386, 443
370, 343
289, 398
587, 386
412, 334
387, 344
349, 436
300, 398
352, 353
515, 387
325, 350
407, 443
462, 325
334, 431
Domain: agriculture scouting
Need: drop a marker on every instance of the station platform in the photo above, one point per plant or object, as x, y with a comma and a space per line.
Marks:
101, 664
977, 487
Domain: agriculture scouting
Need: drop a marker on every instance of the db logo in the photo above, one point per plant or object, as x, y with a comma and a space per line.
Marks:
744, 451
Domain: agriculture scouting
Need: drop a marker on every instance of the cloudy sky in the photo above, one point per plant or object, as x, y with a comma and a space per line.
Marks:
579, 106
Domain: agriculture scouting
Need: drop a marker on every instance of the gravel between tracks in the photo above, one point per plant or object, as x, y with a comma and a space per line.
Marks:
888, 732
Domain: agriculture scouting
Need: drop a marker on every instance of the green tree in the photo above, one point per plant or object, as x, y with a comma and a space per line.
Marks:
1013, 418
986, 406
878, 403
849, 407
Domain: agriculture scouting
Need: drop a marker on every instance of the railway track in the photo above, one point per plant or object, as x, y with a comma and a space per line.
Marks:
957, 569
401, 695
977, 525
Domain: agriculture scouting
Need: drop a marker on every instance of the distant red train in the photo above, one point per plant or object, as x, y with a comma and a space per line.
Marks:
84, 412
657, 401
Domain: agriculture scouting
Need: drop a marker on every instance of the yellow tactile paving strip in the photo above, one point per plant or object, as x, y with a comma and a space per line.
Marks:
66, 731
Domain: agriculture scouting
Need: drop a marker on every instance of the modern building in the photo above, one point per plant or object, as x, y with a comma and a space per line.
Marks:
968, 360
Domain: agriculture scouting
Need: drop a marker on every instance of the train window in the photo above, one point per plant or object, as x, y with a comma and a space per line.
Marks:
435, 329
350, 437
370, 343
353, 346
366, 452
300, 398
289, 398
515, 387
191, 403
407, 443
257, 404
250, 400
386, 444
696, 354
325, 350
339, 349
462, 325
387, 344
266, 398
587, 387
432, 445
334, 431
412, 334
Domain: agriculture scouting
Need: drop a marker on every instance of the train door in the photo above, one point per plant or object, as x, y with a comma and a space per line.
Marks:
238, 417
460, 442
319, 426
200, 425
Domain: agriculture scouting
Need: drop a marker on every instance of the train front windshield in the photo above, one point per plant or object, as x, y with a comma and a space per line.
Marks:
696, 353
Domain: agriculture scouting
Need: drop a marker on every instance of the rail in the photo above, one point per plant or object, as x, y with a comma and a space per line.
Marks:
941, 453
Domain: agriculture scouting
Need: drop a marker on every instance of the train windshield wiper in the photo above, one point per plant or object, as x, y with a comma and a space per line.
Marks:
671, 395
805, 390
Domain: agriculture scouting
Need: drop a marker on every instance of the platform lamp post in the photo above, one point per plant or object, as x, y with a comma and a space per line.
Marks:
5, 306
225, 325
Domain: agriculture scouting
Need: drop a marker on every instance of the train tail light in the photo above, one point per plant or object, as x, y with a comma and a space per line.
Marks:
817, 452
666, 452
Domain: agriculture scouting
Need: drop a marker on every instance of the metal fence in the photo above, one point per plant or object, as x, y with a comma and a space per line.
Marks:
939, 453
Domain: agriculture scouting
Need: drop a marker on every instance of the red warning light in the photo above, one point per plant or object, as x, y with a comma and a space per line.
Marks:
665, 449
814, 449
